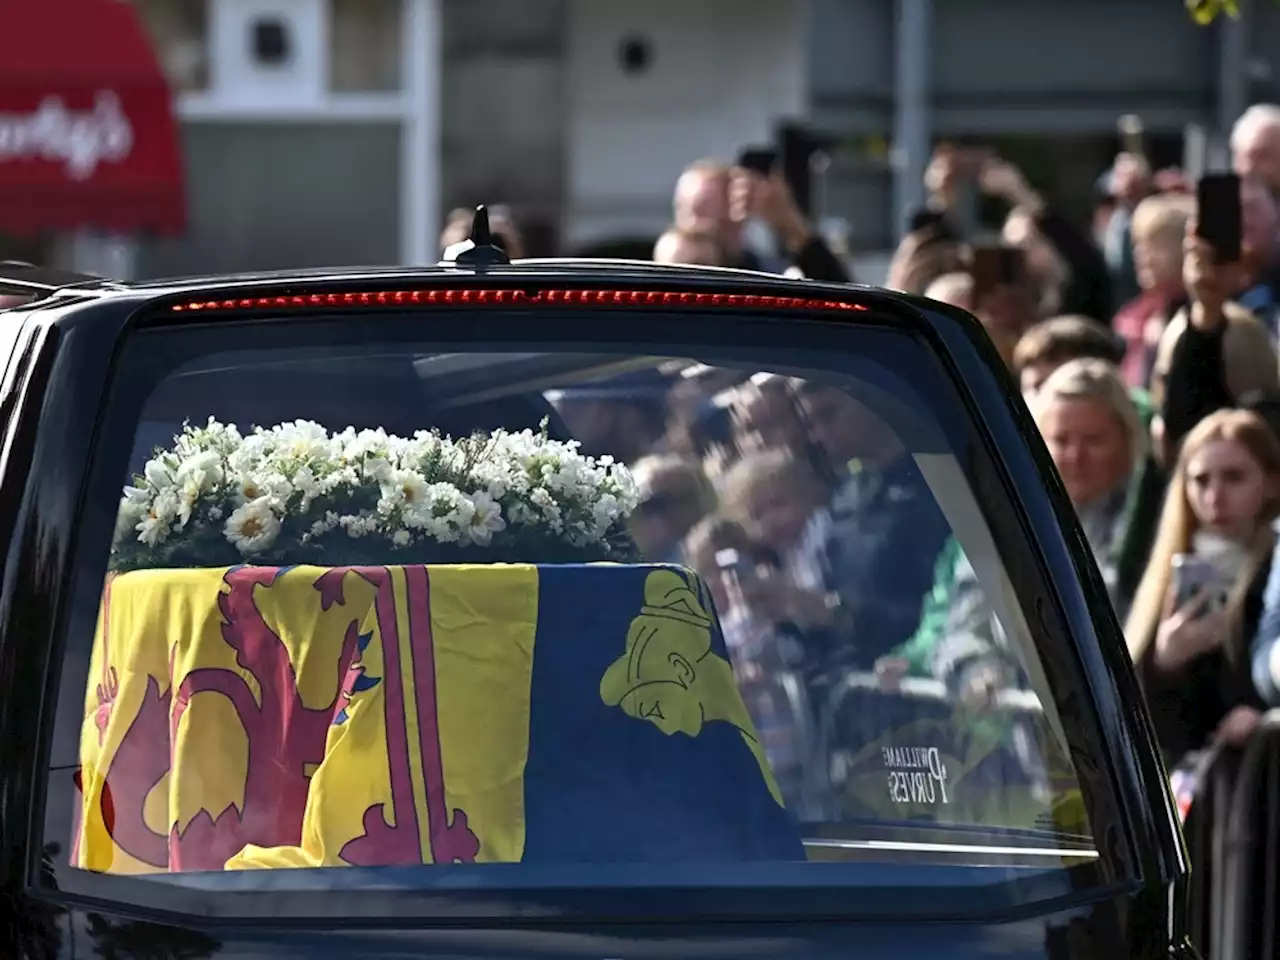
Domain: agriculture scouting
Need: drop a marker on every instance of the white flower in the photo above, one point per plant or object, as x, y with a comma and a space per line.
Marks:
252, 527
605, 512
158, 475
248, 487
152, 529
201, 472
402, 489
392, 490
486, 520
136, 495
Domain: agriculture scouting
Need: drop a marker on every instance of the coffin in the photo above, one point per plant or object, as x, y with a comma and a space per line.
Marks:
265, 717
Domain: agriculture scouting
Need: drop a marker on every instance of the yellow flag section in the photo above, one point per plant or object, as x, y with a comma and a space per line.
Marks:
303, 716
425, 762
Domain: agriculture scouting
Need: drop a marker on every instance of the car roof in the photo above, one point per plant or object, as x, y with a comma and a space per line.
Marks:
44, 282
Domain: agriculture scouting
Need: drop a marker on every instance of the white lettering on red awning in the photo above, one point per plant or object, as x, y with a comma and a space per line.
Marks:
80, 139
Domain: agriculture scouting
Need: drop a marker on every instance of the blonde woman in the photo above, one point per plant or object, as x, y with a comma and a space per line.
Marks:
1094, 434
1158, 227
1192, 651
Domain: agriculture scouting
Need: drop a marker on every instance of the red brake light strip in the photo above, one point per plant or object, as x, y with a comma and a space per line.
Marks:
510, 297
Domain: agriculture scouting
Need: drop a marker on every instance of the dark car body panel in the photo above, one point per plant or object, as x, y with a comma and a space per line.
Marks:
55, 385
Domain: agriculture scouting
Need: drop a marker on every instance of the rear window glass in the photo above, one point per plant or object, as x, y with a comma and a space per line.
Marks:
381, 608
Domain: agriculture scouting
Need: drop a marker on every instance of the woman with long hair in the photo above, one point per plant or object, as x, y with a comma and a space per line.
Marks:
1191, 646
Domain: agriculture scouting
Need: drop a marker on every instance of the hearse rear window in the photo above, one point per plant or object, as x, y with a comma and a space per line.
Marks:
379, 610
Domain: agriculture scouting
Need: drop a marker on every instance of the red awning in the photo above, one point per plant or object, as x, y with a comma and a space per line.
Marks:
87, 133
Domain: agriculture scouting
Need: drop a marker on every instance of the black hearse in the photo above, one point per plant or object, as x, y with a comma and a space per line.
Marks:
398, 612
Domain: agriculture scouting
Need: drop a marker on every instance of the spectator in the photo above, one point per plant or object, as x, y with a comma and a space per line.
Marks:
1193, 659
779, 500
1255, 145
766, 417
1067, 267
1258, 285
926, 253
1158, 227
674, 496
1048, 345
1096, 437
881, 501
1210, 354
1129, 183
1041, 351
1070, 270
1007, 311
714, 198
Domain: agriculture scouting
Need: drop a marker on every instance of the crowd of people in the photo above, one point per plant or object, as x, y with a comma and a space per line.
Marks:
1149, 363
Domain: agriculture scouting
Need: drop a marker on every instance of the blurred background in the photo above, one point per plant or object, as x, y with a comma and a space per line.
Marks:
325, 132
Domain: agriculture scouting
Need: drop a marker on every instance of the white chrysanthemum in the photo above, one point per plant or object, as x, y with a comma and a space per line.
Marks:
252, 527
154, 527
248, 487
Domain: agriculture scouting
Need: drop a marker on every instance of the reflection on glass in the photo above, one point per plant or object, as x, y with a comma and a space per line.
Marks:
333, 637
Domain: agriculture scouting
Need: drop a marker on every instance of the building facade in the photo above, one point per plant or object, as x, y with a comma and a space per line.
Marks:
319, 132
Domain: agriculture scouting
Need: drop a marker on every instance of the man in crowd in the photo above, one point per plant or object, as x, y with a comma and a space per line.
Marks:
1259, 280
886, 528
715, 199
1255, 145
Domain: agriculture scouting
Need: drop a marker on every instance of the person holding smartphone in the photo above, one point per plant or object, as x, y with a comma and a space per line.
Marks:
717, 199
1189, 630
1217, 349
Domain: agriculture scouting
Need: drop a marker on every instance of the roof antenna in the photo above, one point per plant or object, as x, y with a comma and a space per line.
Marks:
479, 250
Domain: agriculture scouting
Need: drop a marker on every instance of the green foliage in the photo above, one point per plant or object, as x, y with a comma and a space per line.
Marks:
1206, 11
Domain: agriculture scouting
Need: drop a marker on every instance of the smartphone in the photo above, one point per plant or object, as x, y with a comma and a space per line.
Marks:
761, 160
1219, 221
995, 265
1192, 576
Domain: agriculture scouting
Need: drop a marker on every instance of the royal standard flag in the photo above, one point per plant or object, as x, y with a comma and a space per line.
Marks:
259, 717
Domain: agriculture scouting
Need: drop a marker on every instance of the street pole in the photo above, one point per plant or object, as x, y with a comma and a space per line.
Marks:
912, 110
